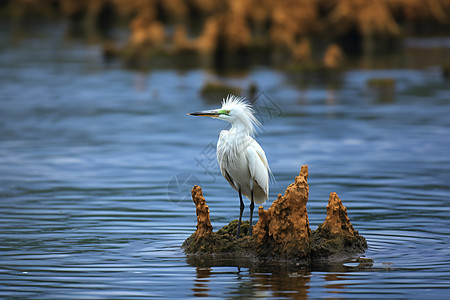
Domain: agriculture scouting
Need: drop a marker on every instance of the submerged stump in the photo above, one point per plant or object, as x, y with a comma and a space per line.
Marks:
282, 232
336, 235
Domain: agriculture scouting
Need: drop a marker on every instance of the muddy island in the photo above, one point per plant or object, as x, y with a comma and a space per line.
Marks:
282, 232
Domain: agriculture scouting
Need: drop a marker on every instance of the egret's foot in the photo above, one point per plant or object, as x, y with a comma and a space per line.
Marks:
242, 229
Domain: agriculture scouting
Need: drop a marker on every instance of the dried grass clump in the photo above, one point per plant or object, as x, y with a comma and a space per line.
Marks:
333, 57
421, 10
146, 30
241, 27
369, 18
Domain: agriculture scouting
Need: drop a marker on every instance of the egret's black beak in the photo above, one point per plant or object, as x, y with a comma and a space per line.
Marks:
206, 113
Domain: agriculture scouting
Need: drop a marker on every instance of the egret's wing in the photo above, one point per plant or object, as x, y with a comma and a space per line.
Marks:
258, 166
262, 156
228, 178
222, 158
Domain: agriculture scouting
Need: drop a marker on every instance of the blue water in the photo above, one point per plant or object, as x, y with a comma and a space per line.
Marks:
96, 164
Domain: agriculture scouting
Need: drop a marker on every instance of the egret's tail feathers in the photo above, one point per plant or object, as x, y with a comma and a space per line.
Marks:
271, 176
259, 196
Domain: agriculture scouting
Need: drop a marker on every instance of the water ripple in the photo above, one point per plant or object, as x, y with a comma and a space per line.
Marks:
88, 154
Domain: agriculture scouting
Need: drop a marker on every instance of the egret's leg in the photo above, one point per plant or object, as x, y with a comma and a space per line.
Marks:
240, 214
252, 206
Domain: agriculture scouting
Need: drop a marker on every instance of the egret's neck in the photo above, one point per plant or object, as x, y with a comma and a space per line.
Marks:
239, 127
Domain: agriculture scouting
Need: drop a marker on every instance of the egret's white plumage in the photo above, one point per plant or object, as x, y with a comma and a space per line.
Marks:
242, 161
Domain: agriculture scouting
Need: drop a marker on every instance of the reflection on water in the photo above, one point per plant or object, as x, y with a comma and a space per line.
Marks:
287, 281
88, 152
283, 285
201, 283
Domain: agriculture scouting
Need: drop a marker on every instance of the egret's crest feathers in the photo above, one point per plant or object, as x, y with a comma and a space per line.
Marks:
242, 113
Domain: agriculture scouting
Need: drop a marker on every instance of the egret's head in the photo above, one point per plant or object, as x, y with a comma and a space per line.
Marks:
235, 110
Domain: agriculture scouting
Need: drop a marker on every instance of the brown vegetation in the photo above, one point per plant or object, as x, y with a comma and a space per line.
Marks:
283, 28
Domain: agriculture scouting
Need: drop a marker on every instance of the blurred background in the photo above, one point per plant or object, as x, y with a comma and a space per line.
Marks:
302, 35
98, 156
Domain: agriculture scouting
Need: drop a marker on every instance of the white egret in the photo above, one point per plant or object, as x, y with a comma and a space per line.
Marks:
242, 161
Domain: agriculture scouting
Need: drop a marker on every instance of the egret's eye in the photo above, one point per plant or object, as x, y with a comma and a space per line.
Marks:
224, 111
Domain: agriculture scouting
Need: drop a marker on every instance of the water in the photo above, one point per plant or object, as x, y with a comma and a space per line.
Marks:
90, 154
